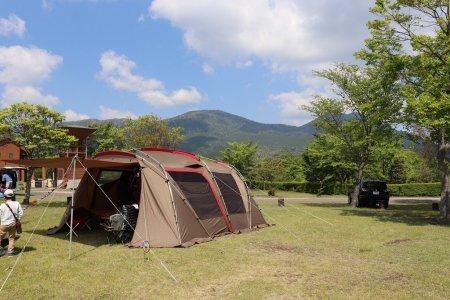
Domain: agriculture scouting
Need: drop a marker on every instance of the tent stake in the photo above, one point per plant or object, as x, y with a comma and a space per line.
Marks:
71, 207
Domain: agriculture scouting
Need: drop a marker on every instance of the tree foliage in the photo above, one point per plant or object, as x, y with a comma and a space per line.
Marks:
106, 136
362, 115
241, 155
413, 36
146, 131
150, 131
281, 166
36, 129
323, 161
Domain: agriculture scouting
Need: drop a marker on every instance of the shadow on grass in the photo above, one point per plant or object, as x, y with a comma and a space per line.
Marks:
414, 215
95, 237
54, 204
18, 250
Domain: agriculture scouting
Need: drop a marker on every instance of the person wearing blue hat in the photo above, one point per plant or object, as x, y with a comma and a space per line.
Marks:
7, 180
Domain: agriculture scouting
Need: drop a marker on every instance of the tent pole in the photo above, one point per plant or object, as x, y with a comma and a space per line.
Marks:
71, 206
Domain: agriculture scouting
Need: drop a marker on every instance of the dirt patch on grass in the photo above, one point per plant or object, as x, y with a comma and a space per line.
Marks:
287, 277
396, 242
396, 277
275, 247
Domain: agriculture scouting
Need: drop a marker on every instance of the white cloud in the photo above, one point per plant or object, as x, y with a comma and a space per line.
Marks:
285, 34
141, 18
117, 71
110, 113
12, 25
21, 71
70, 116
21, 66
244, 64
46, 5
30, 94
289, 104
207, 69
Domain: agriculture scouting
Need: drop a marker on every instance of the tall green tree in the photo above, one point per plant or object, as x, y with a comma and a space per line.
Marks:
281, 166
106, 136
361, 116
150, 131
414, 37
35, 129
241, 155
323, 161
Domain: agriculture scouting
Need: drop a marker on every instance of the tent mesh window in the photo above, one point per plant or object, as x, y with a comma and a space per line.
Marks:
230, 193
198, 193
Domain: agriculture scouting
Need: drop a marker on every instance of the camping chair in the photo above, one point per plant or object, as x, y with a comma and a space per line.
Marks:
115, 228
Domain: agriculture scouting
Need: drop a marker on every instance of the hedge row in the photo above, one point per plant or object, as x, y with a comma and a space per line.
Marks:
302, 187
407, 189
415, 189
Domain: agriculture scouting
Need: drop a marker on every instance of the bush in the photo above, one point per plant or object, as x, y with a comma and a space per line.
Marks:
404, 190
415, 189
301, 187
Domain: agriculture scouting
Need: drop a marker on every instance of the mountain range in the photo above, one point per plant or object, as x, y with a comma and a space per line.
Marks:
208, 132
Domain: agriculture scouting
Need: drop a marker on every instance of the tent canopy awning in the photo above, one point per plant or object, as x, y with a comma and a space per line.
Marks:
64, 162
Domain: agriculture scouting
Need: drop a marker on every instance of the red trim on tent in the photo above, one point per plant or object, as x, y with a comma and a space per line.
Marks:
213, 190
115, 152
180, 152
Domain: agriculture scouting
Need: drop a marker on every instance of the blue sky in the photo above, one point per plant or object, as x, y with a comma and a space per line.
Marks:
113, 58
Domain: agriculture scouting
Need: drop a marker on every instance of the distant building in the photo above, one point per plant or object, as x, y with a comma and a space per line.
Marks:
79, 148
11, 150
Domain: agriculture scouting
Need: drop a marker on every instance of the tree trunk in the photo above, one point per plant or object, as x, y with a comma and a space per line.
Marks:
26, 199
444, 206
355, 194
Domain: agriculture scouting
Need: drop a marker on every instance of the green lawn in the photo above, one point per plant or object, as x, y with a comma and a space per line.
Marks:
402, 252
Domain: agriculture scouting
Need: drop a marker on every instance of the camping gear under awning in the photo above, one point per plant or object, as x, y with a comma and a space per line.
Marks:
64, 162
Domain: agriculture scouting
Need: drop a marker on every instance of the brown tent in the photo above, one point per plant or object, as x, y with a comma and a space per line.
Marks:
182, 198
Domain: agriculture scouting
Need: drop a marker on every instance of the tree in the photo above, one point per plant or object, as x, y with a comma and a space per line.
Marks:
150, 131
241, 155
35, 129
281, 166
106, 136
361, 117
324, 164
413, 36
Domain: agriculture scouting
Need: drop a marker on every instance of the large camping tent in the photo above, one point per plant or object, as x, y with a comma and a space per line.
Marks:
182, 198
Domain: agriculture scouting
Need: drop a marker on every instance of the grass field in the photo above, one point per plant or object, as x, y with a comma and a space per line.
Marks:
402, 252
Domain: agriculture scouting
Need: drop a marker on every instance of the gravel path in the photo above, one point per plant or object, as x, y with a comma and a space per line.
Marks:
343, 200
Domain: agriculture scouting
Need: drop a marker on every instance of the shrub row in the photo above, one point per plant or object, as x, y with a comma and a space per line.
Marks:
406, 189
302, 187
415, 189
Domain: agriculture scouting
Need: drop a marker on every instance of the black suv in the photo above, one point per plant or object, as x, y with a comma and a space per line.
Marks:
371, 193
